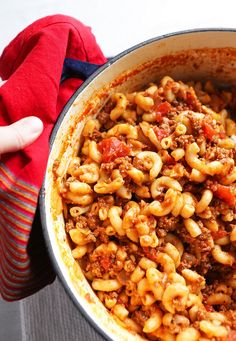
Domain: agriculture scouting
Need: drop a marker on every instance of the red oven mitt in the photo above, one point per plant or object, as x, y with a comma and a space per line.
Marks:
32, 65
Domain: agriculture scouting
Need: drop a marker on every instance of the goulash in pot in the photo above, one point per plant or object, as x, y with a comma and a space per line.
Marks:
149, 205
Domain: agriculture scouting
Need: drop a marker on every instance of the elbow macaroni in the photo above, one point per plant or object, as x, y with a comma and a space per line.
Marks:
151, 216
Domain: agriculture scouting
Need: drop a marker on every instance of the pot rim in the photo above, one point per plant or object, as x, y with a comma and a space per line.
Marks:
42, 204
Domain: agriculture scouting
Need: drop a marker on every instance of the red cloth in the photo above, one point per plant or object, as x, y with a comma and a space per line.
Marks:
32, 64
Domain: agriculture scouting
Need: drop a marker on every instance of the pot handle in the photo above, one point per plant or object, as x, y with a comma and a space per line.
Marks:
77, 69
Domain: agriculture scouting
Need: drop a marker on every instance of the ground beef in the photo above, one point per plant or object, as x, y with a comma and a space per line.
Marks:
200, 247
93, 220
108, 167
96, 136
151, 253
184, 140
193, 188
69, 225
103, 117
100, 233
217, 153
168, 223
105, 201
124, 164
138, 163
231, 318
188, 261
140, 317
95, 268
81, 222
161, 233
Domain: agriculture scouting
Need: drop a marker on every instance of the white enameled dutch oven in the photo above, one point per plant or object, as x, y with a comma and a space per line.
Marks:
189, 55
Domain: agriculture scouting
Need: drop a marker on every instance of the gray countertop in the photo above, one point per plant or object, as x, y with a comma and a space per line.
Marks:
48, 315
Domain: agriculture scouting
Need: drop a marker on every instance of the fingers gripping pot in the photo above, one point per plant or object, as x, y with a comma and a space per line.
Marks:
190, 55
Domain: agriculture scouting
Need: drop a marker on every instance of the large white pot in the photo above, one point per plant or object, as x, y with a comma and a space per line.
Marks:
200, 54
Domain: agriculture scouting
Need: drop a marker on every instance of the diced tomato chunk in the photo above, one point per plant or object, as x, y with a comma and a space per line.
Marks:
225, 193
160, 133
159, 117
208, 130
219, 234
161, 110
112, 148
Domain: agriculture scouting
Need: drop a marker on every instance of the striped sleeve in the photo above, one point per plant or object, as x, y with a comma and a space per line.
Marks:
24, 264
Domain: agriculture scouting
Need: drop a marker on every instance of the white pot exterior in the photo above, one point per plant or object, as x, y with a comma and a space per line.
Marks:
214, 57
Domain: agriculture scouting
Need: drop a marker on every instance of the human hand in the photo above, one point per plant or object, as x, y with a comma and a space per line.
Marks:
20, 134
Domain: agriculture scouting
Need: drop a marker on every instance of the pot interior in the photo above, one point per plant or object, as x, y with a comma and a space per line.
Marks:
186, 56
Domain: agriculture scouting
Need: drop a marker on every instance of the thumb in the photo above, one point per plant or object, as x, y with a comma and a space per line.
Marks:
20, 134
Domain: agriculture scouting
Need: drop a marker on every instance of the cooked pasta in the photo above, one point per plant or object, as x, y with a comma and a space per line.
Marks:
151, 214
